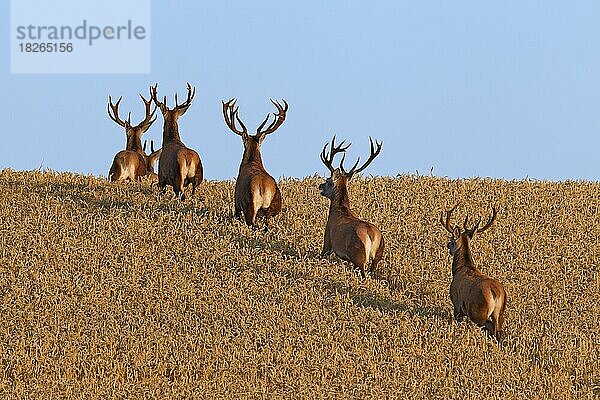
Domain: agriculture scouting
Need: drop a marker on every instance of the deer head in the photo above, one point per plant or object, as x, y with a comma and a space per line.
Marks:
460, 238
171, 115
134, 133
252, 142
151, 158
339, 176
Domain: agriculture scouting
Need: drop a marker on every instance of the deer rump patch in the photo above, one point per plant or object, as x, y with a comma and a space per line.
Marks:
359, 243
257, 188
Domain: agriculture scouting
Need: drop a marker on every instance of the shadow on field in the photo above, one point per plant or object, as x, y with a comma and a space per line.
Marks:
363, 297
82, 194
360, 295
256, 240
98, 196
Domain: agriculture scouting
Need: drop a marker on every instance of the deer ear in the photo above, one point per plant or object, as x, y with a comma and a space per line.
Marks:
456, 232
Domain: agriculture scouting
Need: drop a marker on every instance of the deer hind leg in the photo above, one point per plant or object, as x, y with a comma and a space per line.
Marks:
499, 325
250, 214
178, 187
115, 176
193, 185
117, 171
360, 261
362, 272
498, 319
268, 213
112, 173
458, 314
378, 256
480, 315
197, 180
490, 327
238, 211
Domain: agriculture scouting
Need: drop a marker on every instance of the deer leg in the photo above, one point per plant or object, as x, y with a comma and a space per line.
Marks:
378, 256
362, 271
182, 183
326, 244
360, 260
249, 214
267, 216
238, 212
162, 185
458, 316
490, 328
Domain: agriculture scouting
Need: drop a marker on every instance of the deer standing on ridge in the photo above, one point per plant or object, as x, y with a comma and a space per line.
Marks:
473, 294
178, 166
131, 162
151, 160
346, 235
256, 192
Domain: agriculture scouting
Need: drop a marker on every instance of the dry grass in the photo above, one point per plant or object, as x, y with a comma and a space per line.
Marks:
111, 291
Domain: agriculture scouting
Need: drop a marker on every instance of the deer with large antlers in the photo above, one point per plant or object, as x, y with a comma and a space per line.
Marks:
178, 165
473, 294
256, 192
346, 235
130, 163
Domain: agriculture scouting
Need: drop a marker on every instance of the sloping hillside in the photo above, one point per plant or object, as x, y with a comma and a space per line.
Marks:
112, 290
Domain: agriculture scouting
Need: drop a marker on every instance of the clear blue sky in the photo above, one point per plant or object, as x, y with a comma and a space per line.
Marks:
502, 89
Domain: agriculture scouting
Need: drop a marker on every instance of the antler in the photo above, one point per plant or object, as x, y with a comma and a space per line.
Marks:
144, 146
471, 231
446, 224
148, 121
374, 153
190, 95
279, 118
152, 146
115, 112
490, 221
328, 159
230, 113
191, 92
153, 95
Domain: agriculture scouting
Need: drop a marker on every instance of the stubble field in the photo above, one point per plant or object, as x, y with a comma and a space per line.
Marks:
113, 291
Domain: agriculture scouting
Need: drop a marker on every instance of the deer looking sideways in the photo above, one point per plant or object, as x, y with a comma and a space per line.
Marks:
178, 166
131, 163
473, 294
256, 192
346, 235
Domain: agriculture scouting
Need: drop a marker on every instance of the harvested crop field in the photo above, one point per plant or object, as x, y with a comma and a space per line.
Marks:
113, 291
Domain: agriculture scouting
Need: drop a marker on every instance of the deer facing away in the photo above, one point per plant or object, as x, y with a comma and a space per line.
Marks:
178, 165
256, 192
346, 235
473, 294
130, 164
151, 160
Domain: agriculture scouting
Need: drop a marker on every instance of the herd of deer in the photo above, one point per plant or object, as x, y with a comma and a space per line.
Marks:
473, 294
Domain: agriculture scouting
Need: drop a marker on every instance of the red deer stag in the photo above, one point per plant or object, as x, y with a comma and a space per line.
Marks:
178, 166
131, 162
256, 192
473, 294
151, 160
346, 235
